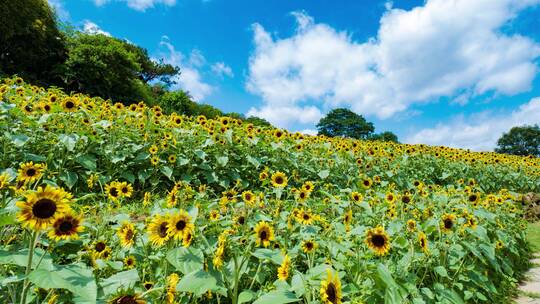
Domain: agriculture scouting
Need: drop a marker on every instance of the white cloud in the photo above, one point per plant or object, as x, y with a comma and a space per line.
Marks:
140, 5
59, 9
309, 132
282, 115
442, 49
478, 131
190, 78
221, 69
92, 28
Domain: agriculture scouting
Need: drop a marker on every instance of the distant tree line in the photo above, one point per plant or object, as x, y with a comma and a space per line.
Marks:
34, 46
345, 123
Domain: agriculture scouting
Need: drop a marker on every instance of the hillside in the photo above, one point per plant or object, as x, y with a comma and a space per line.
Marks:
168, 207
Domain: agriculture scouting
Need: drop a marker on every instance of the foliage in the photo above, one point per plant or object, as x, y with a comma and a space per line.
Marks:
30, 43
196, 210
385, 136
111, 68
524, 140
344, 122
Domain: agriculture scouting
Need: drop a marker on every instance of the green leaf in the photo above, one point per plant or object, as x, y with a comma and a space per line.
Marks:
198, 282
167, 171
76, 278
324, 174
440, 270
273, 255
246, 296
70, 178
186, 260
20, 258
222, 160
19, 139
279, 296
7, 218
386, 276
88, 161
121, 280
69, 141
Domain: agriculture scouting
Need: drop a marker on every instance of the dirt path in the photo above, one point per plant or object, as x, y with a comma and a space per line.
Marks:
530, 290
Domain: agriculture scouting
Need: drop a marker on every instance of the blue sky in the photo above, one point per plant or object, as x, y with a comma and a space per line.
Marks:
440, 72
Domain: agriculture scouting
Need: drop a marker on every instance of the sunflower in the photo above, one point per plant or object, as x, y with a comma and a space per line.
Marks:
473, 198
172, 158
99, 247
126, 233
357, 197
279, 180
127, 298
214, 215
154, 160
308, 246
423, 242
411, 225
303, 195
447, 222
347, 218
153, 149
331, 289
188, 238
390, 197
367, 182
248, 197
179, 224
113, 191
378, 240
264, 234
148, 285
305, 217
66, 227
30, 172
70, 104
130, 261
284, 269
308, 186
42, 207
126, 190
263, 176
4, 180
471, 222
158, 230
147, 198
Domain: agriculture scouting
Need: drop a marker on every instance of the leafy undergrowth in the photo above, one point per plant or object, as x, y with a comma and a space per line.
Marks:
533, 236
130, 205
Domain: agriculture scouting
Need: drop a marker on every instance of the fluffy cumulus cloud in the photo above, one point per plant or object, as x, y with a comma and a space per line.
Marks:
190, 78
221, 69
59, 9
441, 49
479, 131
140, 5
92, 28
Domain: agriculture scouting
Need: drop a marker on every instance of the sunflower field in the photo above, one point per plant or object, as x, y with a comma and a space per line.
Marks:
107, 203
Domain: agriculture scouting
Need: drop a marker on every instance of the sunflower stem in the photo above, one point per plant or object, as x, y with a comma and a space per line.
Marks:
26, 283
255, 276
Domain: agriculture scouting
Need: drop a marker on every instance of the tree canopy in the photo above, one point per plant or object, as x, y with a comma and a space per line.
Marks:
344, 122
31, 45
524, 140
385, 136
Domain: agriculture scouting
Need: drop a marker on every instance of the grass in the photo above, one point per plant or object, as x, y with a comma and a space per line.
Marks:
533, 236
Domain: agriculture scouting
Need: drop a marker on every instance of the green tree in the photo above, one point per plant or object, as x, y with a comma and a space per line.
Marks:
181, 103
150, 69
31, 45
257, 121
346, 123
524, 140
385, 136
105, 66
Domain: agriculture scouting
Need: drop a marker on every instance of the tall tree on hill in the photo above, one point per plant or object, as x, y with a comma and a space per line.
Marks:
344, 122
524, 140
31, 45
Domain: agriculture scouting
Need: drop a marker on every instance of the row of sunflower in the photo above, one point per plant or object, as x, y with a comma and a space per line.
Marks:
103, 202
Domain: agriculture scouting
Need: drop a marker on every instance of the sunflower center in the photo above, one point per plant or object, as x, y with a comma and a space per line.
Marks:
44, 208
279, 180
125, 190
65, 226
162, 230
126, 300
31, 172
378, 240
309, 245
70, 105
448, 223
306, 217
472, 198
129, 234
406, 199
263, 235
180, 225
99, 247
241, 220
113, 192
331, 293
